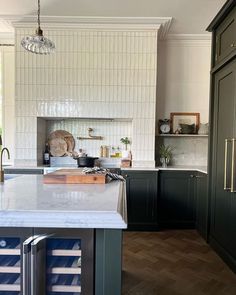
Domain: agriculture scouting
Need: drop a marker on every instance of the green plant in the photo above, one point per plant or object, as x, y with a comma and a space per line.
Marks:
125, 141
165, 151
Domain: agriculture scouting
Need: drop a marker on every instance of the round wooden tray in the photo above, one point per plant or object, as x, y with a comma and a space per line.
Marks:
58, 147
61, 142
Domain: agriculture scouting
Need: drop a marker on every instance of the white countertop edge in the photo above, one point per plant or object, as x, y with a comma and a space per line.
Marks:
171, 168
62, 219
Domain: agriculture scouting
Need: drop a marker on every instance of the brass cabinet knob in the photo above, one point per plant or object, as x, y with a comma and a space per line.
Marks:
233, 45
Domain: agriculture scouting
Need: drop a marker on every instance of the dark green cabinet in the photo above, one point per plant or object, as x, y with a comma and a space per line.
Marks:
167, 199
176, 199
46, 261
141, 187
201, 196
222, 181
223, 196
226, 37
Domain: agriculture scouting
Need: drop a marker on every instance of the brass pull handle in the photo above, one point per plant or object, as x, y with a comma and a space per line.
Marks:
192, 176
232, 166
232, 45
225, 166
198, 176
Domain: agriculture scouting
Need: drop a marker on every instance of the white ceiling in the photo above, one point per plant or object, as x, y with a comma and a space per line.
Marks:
189, 16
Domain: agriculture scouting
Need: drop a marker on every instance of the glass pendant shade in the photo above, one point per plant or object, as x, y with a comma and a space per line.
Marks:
38, 43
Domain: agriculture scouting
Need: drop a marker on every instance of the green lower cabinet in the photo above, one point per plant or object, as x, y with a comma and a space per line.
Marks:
167, 199
176, 199
201, 193
108, 262
142, 192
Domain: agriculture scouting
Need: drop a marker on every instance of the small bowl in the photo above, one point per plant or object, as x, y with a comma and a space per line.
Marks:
188, 129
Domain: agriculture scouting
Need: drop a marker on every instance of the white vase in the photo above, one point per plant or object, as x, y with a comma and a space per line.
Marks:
164, 162
125, 154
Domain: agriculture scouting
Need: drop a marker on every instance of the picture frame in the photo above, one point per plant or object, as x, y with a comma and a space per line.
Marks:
187, 119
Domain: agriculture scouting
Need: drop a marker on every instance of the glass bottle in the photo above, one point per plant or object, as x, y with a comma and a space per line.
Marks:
46, 155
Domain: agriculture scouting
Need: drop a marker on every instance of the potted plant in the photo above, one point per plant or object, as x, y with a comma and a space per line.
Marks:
126, 141
165, 153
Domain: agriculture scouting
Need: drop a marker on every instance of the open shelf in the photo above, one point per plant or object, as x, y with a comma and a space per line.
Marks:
182, 135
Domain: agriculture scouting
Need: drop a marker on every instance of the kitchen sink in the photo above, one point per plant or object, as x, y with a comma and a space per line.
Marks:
10, 176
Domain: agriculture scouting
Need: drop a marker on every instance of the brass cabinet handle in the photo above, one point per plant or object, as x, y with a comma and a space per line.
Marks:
192, 176
232, 45
232, 166
198, 176
225, 166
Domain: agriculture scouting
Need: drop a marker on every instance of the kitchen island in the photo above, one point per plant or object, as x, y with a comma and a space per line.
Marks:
67, 238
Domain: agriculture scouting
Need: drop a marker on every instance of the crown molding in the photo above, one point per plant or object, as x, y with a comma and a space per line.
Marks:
189, 37
162, 24
7, 38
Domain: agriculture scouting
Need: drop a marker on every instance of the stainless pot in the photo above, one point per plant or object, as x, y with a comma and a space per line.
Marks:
85, 161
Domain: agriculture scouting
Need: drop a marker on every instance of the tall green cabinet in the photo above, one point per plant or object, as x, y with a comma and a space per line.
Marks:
222, 148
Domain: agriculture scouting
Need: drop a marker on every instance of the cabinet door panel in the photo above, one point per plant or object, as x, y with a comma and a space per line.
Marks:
141, 199
66, 256
176, 204
11, 259
201, 204
225, 97
226, 37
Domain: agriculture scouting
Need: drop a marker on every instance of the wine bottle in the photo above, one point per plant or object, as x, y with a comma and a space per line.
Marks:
46, 155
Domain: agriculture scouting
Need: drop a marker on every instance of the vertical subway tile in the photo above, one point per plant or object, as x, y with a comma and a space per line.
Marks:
92, 73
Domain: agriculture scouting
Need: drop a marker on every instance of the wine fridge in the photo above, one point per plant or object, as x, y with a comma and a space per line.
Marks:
47, 262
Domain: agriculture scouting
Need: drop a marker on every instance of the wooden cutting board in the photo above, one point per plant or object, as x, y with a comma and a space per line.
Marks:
62, 135
73, 176
58, 147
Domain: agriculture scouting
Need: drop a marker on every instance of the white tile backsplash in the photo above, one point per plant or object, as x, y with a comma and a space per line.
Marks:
111, 131
187, 151
93, 74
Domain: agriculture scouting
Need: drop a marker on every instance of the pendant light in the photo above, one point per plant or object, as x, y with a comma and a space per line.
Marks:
38, 43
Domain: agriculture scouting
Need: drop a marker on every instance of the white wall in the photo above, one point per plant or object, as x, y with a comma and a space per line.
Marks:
184, 77
93, 74
8, 104
183, 86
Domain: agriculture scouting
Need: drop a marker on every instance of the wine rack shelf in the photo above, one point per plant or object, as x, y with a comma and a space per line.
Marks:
10, 270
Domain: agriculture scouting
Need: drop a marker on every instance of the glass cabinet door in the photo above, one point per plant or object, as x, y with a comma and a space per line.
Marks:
10, 265
63, 263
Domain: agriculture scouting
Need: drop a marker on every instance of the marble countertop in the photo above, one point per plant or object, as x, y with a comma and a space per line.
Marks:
26, 202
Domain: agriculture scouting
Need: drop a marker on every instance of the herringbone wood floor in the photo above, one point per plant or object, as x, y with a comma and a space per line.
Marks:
172, 263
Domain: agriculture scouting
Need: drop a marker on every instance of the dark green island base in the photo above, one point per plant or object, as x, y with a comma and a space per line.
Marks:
48, 261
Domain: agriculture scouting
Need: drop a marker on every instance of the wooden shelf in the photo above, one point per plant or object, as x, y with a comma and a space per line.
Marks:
9, 269
64, 252
65, 288
7, 251
10, 287
64, 270
182, 135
